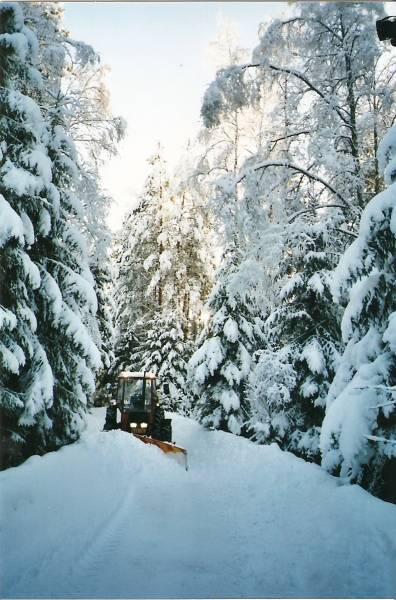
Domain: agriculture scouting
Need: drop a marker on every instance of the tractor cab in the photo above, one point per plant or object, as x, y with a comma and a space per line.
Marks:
136, 401
136, 391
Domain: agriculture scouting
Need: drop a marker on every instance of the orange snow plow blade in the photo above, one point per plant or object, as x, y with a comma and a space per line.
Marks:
166, 447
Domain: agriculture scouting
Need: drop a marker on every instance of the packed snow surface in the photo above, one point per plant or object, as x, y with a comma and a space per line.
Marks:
110, 517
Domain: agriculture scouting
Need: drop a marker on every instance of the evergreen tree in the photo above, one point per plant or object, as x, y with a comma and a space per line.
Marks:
358, 438
162, 278
74, 86
188, 246
25, 186
220, 366
162, 351
96, 204
139, 292
322, 93
49, 357
303, 350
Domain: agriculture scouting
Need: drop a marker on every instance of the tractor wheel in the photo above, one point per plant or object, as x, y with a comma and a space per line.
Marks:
159, 418
166, 434
111, 419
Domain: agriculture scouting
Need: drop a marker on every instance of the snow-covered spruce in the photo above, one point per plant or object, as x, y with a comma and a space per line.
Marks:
162, 350
68, 296
289, 386
358, 438
96, 204
26, 379
47, 356
162, 278
86, 116
139, 291
219, 368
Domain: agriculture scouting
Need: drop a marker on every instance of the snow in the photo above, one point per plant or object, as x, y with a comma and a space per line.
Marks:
9, 360
17, 42
37, 160
356, 260
44, 223
31, 270
289, 287
109, 517
75, 329
11, 225
30, 110
28, 228
7, 319
361, 292
20, 181
386, 155
313, 354
16, 20
231, 331
211, 353
53, 295
228, 399
137, 374
231, 373
39, 392
79, 285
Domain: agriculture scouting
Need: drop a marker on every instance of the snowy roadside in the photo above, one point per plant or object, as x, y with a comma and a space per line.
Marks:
111, 517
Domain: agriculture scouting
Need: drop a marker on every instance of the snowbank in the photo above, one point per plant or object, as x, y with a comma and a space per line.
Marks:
111, 517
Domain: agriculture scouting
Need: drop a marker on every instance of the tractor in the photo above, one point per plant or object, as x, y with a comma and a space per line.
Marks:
137, 401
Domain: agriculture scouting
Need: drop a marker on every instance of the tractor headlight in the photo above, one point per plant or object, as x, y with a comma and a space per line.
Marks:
133, 424
143, 425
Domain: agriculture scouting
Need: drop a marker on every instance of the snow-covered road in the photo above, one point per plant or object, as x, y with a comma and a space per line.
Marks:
110, 517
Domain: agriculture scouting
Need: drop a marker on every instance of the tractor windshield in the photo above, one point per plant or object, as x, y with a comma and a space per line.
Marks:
134, 394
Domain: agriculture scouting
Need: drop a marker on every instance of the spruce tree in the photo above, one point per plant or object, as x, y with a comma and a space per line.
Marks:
162, 351
98, 236
220, 366
26, 192
162, 279
358, 440
139, 290
303, 345
48, 357
74, 87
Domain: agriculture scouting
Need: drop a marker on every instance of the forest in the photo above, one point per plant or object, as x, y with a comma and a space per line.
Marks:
257, 278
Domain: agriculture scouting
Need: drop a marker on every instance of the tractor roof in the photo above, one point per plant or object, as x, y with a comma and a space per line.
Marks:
136, 375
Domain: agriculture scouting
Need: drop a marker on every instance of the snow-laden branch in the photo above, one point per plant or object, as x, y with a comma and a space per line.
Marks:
339, 110
298, 169
383, 388
312, 20
383, 405
289, 135
314, 209
375, 438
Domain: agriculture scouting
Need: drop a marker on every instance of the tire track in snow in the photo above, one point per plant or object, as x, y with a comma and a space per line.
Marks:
96, 551
47, 574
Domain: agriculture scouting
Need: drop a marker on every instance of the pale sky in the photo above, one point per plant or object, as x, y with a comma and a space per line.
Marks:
159, 70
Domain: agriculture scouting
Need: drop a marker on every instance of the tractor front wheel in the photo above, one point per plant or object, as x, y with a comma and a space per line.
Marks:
162, 428
159, 417
166, 433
